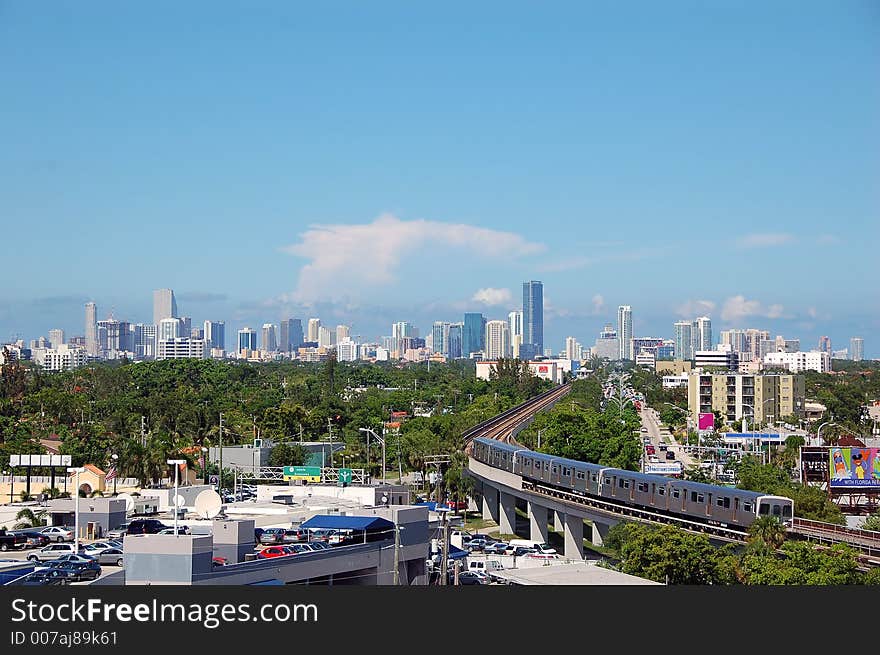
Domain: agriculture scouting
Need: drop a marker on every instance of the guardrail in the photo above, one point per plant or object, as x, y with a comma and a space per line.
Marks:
866, 541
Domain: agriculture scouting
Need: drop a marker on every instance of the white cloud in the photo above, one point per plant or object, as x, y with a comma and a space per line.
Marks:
598, 304
738, 308
366, 256
693, 308
490, 296
765, 240
811, 312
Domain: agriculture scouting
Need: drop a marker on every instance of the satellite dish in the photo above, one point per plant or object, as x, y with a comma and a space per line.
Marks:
129, 501
208, 504
179, 501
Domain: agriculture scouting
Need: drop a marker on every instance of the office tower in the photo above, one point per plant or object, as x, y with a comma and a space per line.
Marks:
515, 321
91, 330
295, 331
455, 337
342, 332
185, 326
497, 339
314, 324
215, 334
325, 337
572, 349
143, 340
702, 333
247, 339
56, 337
824, 344
857, 349
473, 334
168, 328
114, 336
182, 348
440, 337
532, 319
735, 339
164, 305
197, 333
684, 344
607, 346
753, 342
624, 332
268, 341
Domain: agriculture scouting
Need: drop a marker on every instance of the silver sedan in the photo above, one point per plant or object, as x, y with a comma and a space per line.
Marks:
110, 557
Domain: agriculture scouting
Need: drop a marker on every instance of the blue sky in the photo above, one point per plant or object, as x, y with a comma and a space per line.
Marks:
371, 162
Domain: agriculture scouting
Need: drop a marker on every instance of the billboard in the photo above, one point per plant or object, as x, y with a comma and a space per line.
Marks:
854, 467
707, 421
671, 468
39, 460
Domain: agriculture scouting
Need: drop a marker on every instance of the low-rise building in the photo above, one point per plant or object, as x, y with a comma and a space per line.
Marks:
797, 362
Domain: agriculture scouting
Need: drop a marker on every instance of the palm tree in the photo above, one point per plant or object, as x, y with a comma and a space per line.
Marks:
768, 532
28, 519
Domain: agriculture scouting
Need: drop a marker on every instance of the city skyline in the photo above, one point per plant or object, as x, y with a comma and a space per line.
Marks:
589, 148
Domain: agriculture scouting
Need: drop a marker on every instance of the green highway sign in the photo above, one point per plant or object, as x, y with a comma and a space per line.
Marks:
302, 473
344, 476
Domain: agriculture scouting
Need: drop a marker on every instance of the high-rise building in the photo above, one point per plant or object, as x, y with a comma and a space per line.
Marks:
269, 342
735, 339
346, 350
572, 349
800, 361
169, 328
473, 334
164, 305
607, 346
114, 337
314, 324
182, 348
624, 332
701, 333
825, 345
56, 337
759, 398
185, 326
143, 340
215, 335
295, 330
325, 337
197, 333
754, 341
497, 339
684, 344
440, 337
857, 349
247, 339
455, 338
533, 318
342, 332
91, 330
515, 321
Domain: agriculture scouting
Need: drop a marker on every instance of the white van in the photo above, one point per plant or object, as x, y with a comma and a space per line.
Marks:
489, 566
541, 547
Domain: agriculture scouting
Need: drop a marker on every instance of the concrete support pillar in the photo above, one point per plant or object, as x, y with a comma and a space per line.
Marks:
507, 511
558, 521
537, 522
600, 531
490, 504
574, 537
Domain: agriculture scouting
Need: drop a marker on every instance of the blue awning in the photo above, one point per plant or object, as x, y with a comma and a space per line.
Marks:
456, 553
337, 522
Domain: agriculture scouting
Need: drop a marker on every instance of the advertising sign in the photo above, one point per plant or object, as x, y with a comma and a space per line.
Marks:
307, 473
854, 467
672, 468
706, 422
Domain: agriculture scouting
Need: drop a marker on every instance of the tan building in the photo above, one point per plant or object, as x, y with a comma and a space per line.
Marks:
665, 367
762, 399
92, 479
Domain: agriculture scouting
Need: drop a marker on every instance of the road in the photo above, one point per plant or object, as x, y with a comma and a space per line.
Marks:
651, 421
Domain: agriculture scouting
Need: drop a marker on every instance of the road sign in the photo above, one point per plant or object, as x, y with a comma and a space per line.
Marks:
344, 476
214, 479
308, 473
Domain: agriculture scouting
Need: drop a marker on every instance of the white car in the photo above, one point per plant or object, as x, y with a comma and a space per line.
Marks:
52, 551
98, 547
56, 533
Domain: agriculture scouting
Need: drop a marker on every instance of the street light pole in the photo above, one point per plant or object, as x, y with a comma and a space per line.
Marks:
115, 459
380, 440
819, 431
77, 470
176, 463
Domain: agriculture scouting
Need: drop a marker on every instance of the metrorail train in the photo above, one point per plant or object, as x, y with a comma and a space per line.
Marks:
693, 501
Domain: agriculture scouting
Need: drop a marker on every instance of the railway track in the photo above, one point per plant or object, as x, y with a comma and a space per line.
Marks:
501, 427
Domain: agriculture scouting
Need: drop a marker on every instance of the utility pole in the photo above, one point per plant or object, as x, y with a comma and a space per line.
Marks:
143, 432
330, 430
220, 467
445, 551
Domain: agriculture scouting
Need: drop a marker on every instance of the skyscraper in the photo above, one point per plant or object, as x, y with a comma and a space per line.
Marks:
269, 342
497, 339
325, 337
314, 324
215, 334
295, 328
684, 343
625, 331
164, 305
455, 337
91, 329
857, 349
342, 332
247, 339
532, 319
572, 349
702, 333
169, 328
56, 338
440, 337
473, 334
825, 345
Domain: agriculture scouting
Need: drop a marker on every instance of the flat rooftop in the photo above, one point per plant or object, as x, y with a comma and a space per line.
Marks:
570, 574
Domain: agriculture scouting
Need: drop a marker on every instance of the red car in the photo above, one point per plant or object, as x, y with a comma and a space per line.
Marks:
274, 551
219, 561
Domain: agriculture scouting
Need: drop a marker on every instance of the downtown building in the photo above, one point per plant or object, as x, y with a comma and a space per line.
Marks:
607, 346
798, 362
62, 358
624, 332
532, 320
497, 340
760, 398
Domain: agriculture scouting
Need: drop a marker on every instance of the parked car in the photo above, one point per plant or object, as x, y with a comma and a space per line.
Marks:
476, 544
320, 534
146, 526
498, 548
670, 454
78, 570
272, 536
33, 539
70, 557
181, 529
52, 551
43, 578
10, 541
295, 535
57, 533
219, 561
119, 531
466, 578
258, 532
542, 556
519, 551
111, 556
98, 547
274, 551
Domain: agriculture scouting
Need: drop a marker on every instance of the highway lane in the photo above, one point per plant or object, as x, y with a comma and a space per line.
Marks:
651, 421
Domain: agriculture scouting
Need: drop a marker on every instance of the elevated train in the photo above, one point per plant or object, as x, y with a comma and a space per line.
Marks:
694, 501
